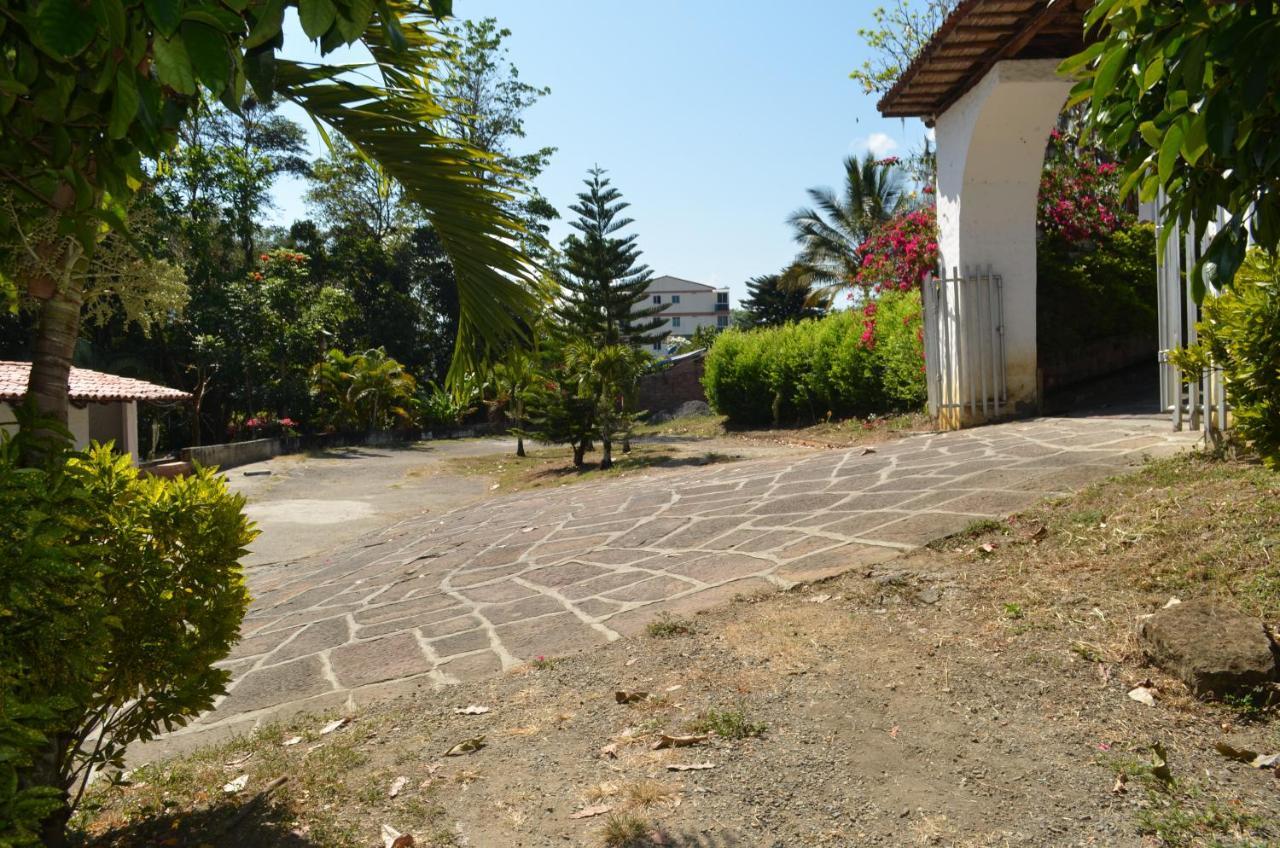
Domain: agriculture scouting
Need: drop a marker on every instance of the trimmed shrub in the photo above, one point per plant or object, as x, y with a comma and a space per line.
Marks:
117, 595
810, 370
1240, 333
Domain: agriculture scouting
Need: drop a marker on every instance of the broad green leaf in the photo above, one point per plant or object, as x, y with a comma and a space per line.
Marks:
316, 16
1169, 151
124, 104
62, 28
210, 58
1109, 72
173, 65
356, 19
1069, 66
1151, 134
267, 26
1195, 142
110, 14
166, 14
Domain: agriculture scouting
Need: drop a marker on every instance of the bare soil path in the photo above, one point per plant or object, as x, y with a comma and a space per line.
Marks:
427, 602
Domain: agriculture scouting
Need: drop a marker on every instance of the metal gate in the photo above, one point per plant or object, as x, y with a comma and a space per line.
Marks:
1192, 401
964, 347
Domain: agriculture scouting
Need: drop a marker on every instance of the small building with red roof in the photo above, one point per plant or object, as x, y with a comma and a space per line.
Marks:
104, 407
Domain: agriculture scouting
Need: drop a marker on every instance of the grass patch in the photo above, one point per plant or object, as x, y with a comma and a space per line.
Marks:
626, 830
666, 626
727, 724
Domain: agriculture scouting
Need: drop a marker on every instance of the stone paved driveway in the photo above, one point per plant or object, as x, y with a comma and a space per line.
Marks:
488, 586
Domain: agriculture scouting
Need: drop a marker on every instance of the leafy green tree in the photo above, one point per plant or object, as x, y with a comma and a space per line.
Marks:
355, 198
831, 231
1187, 94
901, 31
490, 100
771, 302
603, 283
87, 92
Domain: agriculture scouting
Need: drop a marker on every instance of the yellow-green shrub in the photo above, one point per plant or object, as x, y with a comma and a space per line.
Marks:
805, 371
117, 594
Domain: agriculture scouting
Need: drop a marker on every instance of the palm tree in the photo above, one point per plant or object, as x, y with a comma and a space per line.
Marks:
606, 375
367, 390
512, 379
830, 232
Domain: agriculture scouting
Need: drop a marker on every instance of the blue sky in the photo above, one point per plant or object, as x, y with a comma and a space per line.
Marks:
711, 116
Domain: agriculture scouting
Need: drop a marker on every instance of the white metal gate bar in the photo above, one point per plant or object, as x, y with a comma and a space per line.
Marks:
1199, 403
964, 346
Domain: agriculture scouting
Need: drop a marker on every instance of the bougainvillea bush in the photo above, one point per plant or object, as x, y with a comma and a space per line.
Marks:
900, 253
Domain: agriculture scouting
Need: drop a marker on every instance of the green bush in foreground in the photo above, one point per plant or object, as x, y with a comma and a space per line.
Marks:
117, 595
856, 362
1240, 333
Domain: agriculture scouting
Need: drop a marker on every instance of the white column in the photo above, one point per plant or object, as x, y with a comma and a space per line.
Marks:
129, 429
990, 148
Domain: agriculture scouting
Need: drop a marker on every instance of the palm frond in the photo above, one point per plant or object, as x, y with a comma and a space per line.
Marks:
393, 123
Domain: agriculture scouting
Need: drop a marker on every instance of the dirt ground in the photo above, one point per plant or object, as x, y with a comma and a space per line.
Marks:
974, 694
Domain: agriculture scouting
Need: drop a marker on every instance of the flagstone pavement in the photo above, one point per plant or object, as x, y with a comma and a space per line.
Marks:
429, 602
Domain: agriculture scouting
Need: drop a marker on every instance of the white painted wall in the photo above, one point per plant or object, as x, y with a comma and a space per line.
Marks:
990, 147
82, 433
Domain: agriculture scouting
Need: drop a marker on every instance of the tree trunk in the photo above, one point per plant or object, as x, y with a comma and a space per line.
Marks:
606, 454
55, 344
520, 445
579, 453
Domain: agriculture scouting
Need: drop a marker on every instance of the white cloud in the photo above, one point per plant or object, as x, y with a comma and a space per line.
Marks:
880, 144
930, 134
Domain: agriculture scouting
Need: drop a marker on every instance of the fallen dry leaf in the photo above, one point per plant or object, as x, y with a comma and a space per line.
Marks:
666, 741
396, 786
466, 746
1119, 787
594, 810
292, 740
234, 786
1244, 755
818, 599
988, 547
893, 731
238, 761
392, 838
609, 751
471, 710
866, 451
336, 724
689, 766
633, 661
1144, 695
629, 697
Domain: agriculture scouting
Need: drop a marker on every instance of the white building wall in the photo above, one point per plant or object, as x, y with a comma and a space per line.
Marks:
78, 424
687, 305
990, 148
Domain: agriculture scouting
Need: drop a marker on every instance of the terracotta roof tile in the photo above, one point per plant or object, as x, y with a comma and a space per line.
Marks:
87, 386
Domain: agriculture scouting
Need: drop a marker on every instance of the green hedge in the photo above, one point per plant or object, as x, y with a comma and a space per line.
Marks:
807, 371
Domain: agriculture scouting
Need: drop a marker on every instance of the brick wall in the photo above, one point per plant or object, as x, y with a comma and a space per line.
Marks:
679, 383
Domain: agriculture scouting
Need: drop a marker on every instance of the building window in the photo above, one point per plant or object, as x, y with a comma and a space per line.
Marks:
722, 321
675, 298
722, 297
657, 298
675, 322
657, 345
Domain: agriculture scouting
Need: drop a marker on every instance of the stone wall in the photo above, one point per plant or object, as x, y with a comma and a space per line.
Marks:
678, 383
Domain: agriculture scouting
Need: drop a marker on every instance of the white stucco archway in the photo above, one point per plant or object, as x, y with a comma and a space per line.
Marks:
990, 148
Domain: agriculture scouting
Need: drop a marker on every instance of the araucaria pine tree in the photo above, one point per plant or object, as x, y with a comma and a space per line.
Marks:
602, 281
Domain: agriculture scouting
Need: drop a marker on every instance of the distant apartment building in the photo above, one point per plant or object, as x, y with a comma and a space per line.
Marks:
686, 307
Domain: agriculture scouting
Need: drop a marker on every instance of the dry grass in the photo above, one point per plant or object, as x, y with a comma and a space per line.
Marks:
550, 467
833, 434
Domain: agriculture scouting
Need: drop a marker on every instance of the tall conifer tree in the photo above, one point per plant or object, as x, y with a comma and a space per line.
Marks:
602, 281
